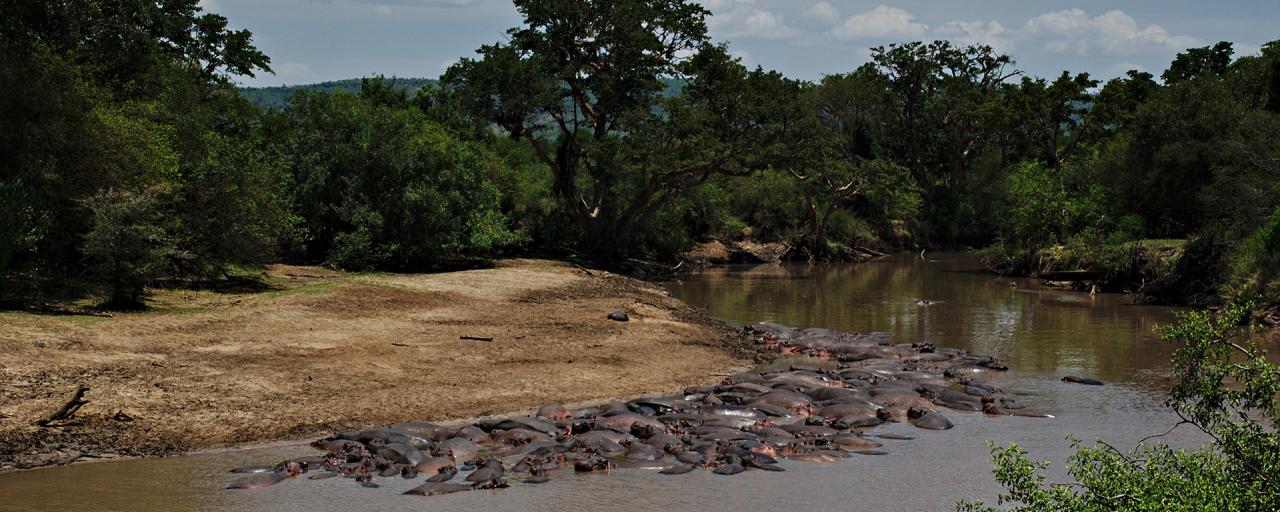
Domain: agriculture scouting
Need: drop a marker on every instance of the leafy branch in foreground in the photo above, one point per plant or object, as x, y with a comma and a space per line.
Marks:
1225, 387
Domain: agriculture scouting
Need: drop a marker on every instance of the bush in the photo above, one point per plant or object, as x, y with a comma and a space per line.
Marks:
1046, 206
1257, 261
127, 247
382, 186
24, 223
232, 205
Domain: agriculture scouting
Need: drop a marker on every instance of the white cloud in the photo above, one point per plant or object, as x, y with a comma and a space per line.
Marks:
209, 5
742, 55
991, 33
294, 72
742, 18
879, 23
824, 12
1112, 33
1243, 49
405, 3
382, 9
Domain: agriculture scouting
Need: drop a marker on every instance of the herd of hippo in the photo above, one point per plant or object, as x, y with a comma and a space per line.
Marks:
748, 421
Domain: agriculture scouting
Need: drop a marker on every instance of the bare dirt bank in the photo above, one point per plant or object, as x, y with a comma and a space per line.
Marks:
324, 350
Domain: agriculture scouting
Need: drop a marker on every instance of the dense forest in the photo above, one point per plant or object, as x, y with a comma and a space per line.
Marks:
611, 131
278, 96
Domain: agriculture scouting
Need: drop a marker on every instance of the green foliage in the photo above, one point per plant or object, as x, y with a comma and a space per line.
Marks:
1225, 387
277, 97
1199, 62
232, 205
1257, 261
1045, 206
945, 114
23, 226
1150, 478
381, 186
127, 247
120, 42
584, 87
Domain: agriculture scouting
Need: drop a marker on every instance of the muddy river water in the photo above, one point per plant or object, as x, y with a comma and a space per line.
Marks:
1041, 333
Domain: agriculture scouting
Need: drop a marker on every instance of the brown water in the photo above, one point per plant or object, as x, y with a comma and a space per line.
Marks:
1042, 333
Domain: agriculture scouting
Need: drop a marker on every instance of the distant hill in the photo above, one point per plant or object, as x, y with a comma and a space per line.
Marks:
279, 96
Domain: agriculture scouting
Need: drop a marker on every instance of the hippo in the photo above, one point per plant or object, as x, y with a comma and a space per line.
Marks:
928, 419
678, 469
400, 454
437, 488
518, 436
665, 442
853, 442
641, 451
534, 424
473, 433
856, 421
729, 469
1080, 380
554, 412
691, 457
463, 448
489, 473
253, 469
433, 465
444, 475
260, 480
996, 410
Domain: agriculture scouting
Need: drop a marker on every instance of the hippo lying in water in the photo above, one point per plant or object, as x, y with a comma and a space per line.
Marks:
747, 422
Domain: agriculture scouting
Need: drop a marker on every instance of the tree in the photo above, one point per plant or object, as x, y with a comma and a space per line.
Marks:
835, 157
1116, 104
944, 108
1198, 62
582, 81
127, 247
379, 186
1047, 118
121, 41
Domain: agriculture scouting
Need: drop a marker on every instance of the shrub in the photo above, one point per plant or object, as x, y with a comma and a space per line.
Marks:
127, 247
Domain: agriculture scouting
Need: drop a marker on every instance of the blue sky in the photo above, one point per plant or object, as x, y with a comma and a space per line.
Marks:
316, 40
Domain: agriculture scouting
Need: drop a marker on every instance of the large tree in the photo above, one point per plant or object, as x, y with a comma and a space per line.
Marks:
585, 83
944, 114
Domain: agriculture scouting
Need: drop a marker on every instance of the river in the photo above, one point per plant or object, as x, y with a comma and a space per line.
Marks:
1042, 333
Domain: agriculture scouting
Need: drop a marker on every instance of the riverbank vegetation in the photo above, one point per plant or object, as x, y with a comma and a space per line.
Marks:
1224, 386
613, 131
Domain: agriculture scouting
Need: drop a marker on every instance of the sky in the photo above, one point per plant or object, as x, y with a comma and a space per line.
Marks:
317, 40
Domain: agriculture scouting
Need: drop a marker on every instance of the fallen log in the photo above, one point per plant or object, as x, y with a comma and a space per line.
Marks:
476, 338
1070, 275
68, 409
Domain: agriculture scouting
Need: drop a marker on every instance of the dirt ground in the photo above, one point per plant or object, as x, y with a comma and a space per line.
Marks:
322, 350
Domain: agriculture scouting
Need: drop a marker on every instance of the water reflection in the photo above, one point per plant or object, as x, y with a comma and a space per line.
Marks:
1038, 330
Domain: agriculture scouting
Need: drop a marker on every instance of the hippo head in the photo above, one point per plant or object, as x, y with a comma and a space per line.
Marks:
291, 469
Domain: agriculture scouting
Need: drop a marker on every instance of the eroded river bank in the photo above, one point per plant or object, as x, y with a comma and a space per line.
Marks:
1041, 334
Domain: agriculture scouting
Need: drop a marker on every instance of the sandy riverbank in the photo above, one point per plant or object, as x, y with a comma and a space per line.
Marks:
323, 350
